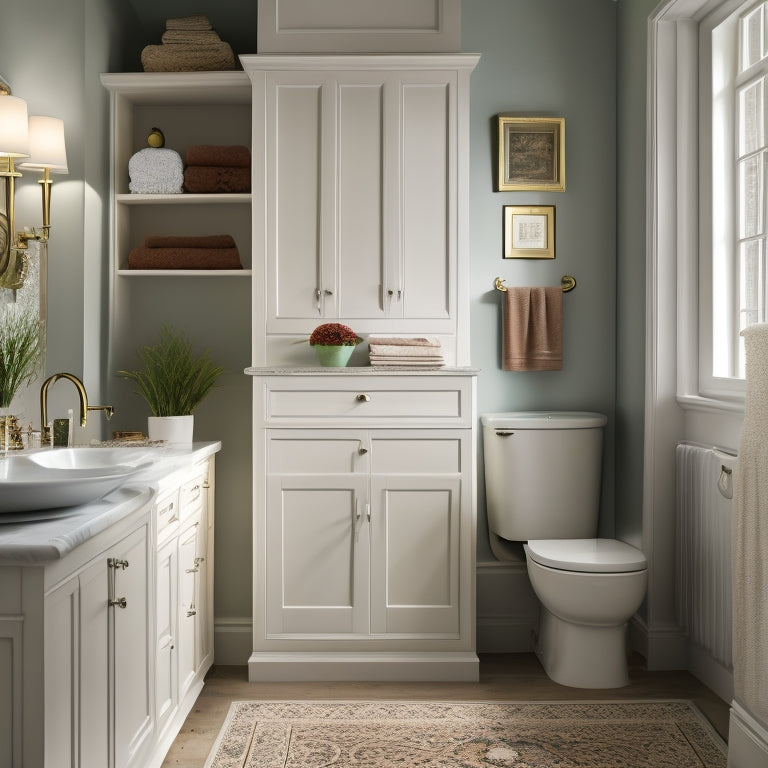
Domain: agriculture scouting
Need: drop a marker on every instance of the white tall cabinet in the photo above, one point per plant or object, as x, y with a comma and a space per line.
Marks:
364, 479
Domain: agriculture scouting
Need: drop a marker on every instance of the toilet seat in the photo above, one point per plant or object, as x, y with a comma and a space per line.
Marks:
587, 555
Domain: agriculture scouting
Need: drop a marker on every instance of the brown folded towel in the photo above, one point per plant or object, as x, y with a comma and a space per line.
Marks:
216, 179
190, 37
187, 58
533, 324
235, 156
195, 21
184, 258
189, 241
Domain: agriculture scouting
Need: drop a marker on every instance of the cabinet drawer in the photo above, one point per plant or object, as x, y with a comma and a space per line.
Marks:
167, 513
361, 404
191, 497
288, 454
416, 455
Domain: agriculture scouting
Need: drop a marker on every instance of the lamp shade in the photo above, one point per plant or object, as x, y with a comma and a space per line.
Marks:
46, 144
14, 127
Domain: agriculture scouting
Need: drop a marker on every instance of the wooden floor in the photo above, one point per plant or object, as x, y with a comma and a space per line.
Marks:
512, 677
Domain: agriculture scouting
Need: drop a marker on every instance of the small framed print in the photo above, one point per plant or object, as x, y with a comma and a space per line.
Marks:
529, 232
531, 154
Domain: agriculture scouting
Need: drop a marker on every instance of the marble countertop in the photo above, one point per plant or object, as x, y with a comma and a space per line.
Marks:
38, 537
364, 370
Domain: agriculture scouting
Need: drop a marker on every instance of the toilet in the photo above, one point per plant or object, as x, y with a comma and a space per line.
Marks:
542, 481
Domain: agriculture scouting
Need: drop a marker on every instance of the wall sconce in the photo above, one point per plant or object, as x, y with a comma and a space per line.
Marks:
40, 141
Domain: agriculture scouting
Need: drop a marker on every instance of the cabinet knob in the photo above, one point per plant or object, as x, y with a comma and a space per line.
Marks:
363, 398
362, 451
120, 602
191, 613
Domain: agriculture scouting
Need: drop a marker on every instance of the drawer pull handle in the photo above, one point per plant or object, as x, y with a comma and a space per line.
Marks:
363, 398
191, 613
504, 434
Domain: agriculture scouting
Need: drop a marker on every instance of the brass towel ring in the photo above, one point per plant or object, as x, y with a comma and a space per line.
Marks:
567, 283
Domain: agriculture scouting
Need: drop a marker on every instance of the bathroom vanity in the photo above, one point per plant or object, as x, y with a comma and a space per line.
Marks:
106, 618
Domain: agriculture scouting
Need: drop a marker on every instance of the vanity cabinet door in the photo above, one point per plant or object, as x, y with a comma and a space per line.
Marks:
133, 648
316, 553
190, 615
97, 661
167, 601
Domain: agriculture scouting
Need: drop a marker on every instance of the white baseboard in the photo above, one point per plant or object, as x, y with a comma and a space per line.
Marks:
367, 666
713, 674
507, 608
663, 648
747, 740
233, 640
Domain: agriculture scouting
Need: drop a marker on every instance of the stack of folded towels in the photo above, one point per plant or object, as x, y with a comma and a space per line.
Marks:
185, 252
406, 352
190, 44
215, 168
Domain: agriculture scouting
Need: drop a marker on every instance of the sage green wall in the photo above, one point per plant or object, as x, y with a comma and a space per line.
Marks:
554, 58
631, 264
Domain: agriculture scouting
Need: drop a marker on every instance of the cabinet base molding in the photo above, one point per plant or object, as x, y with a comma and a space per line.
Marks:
359, 667
233, 640
747, 740
173, 727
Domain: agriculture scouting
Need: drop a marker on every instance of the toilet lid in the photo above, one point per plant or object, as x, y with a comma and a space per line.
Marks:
587, 555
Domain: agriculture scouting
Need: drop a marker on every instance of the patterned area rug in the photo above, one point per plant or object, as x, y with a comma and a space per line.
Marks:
391, 734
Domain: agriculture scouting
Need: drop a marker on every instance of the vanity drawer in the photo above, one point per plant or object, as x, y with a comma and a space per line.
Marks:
167, 513
365, 402
191, 497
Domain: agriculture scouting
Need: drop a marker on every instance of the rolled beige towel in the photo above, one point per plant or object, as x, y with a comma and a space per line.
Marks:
188, 58
198, 21
190, 37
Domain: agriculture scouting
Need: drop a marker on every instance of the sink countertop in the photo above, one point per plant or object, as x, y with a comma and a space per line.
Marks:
32, 538
364, 370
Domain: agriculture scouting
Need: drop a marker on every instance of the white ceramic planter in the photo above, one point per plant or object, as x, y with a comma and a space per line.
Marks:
172, 429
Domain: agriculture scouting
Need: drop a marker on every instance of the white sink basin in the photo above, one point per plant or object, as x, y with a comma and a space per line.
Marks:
65, 477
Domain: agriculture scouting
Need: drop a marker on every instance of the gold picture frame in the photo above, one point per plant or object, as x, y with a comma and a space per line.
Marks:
531, 154
529, 231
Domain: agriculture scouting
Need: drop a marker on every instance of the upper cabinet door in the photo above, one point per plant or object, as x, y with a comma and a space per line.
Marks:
360, 211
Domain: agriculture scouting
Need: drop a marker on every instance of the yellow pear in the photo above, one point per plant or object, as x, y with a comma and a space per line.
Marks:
156, 138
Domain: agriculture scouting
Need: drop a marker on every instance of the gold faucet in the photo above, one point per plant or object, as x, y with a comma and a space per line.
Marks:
45, 432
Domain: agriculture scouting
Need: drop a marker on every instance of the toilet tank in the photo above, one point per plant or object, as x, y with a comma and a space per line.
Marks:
543, 473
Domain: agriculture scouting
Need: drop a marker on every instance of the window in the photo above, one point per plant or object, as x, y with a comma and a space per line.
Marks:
739, 222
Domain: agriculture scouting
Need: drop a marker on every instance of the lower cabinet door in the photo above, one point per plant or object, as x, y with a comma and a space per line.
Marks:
77, 671
415, 532
317, 555
190, 614
132, 648
166, 589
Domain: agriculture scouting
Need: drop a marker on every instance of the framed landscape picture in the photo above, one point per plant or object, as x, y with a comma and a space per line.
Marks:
531, 153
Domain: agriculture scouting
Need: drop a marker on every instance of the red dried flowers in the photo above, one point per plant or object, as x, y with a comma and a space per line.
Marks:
334, 335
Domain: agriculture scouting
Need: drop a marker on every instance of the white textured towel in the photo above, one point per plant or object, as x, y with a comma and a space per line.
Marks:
156, 171
750, 534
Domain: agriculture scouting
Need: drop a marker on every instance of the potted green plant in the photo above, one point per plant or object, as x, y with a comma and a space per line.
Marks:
174, 381
334, 344
21, 349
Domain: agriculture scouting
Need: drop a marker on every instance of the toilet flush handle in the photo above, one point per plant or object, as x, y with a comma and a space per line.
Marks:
505, 434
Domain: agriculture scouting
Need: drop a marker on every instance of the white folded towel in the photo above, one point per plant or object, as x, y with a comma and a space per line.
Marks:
157, 171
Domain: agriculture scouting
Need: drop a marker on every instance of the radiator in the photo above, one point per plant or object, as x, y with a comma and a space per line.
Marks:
704, 491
